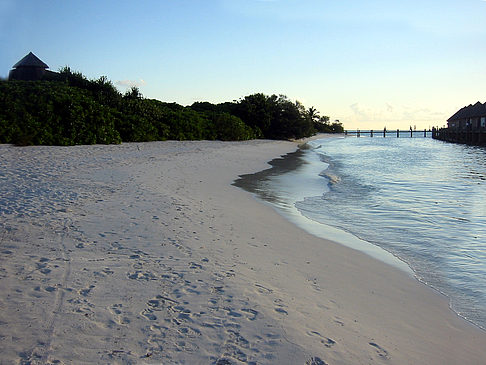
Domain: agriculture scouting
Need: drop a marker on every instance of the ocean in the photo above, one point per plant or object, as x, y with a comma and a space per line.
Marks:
416, 203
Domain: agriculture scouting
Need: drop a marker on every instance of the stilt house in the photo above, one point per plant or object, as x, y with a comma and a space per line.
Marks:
469, 118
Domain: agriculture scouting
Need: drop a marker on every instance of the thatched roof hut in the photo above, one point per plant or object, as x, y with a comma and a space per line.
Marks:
29, 68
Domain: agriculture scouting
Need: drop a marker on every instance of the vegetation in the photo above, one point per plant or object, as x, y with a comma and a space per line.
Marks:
69, 109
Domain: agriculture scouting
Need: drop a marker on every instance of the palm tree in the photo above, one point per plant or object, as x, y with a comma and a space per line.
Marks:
313, 114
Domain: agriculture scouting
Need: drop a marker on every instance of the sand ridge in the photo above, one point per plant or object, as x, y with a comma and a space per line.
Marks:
144, 253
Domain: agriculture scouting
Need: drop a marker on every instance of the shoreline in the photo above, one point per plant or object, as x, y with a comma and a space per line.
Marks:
158, 258
255, 184
267, 193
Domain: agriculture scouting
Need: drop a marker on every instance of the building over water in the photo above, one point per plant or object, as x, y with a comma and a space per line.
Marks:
467, 125
472, 117
30, 68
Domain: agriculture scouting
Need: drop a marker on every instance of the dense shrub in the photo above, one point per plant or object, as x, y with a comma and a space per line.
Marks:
53, 113
70, 109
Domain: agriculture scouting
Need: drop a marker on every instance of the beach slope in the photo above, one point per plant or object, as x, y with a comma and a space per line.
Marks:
145, 253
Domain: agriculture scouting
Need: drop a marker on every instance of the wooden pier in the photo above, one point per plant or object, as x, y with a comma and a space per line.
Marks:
470, 137
393, 133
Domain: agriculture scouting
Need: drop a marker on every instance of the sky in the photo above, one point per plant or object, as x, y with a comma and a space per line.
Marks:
369, 64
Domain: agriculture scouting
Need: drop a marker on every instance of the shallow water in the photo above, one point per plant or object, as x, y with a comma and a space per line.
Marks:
422, 200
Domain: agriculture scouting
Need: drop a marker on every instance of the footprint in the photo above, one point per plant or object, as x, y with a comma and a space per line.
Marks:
116, 308
217, 289
263, 290
147, 313
238, 339
139, 275
85, 292
189, 332
193, 266
252, 314
232, 313
380, 350
339, 322
223, 362
328, 342
155, 304
117, 311
315, 361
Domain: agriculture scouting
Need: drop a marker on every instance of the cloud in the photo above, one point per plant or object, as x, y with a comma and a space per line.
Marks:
358, 111
131, 83
391, 116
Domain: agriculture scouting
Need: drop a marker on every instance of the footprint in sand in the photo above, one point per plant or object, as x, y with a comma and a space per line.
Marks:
236, 338
379, 350
43, 262
117, 311
232, 313
195, 266
251, 313
103, 273
85, 292
326, 341
261, 289
148, 314
315, 361
140, 275
280, 306
50, 289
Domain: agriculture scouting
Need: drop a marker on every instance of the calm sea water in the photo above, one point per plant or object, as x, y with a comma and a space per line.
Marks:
422, 200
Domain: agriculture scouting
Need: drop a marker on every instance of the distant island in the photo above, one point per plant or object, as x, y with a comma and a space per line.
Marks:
65, 108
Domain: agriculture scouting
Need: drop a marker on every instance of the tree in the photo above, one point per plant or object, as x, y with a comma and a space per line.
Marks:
133, 93
313, 114
255, 111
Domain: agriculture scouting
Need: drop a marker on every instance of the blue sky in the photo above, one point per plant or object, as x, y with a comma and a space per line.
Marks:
369, 64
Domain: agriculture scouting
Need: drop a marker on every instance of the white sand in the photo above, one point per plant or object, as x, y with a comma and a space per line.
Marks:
145, 253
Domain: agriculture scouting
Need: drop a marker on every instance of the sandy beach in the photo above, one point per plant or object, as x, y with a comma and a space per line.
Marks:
144, 253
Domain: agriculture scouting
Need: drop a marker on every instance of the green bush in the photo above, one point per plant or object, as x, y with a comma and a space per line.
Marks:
69, 109
53, 113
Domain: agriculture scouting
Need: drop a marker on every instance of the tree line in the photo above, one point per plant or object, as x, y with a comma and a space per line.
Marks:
70, 109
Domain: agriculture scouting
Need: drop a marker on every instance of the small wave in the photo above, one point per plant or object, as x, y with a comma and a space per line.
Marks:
333, 179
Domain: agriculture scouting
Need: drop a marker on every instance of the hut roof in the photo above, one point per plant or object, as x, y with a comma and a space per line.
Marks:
31, 60
470, 111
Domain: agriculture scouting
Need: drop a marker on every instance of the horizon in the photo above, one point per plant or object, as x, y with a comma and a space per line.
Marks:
370, 66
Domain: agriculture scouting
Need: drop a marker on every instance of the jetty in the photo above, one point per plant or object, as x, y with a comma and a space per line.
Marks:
390, 133
470, 137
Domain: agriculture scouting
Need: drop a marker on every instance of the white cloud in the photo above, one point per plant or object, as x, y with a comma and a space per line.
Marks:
391, 116
131, 83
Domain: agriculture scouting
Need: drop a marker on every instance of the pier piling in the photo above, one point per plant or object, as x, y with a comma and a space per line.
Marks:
400, 133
